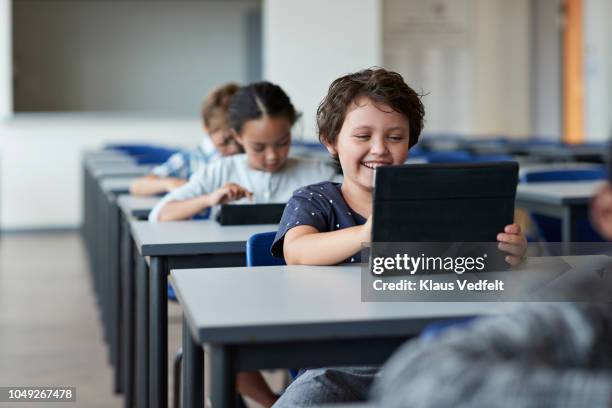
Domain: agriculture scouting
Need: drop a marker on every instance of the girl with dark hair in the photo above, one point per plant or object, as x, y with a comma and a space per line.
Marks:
260, 117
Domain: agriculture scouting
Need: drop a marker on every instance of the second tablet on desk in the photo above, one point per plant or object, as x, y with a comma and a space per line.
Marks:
250, 214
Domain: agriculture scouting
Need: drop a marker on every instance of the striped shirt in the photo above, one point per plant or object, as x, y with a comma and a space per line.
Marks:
188, 161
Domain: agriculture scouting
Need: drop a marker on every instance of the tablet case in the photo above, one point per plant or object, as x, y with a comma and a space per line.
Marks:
250, 214
443, 202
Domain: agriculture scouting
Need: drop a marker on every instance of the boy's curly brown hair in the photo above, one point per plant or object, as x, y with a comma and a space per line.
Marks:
215, 106
377, 84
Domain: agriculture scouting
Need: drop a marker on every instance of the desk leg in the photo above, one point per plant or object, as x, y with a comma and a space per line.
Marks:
158, 333
142, 333
114, 297
193, 371
223, 377
128, 293
103, 278
568, 228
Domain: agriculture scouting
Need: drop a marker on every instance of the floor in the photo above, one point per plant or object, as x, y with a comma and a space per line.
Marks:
50, 332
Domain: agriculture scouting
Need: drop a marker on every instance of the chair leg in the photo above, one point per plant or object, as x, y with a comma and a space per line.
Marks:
178, 358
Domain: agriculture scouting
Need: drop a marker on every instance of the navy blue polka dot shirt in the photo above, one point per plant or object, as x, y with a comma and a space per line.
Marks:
321, 206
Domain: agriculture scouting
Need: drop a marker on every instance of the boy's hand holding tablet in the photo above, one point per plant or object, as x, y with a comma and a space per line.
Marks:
514, 243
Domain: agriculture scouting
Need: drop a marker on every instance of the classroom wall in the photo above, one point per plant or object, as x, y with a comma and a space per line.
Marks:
598, 69
546, 69
471, 59
40, 160
6, 83
145, 56
308, 44
152, 56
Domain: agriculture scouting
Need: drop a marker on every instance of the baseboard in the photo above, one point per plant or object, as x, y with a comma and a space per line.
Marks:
43, 230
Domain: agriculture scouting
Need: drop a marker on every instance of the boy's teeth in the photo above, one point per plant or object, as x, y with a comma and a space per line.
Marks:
372, 165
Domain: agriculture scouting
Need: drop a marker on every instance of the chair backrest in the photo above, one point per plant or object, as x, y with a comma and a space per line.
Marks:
258, 250
560, 175
452, 156
154, 155
144, 153
492, 158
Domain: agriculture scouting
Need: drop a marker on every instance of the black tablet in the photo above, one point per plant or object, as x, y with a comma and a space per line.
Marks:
443, 202
250, 214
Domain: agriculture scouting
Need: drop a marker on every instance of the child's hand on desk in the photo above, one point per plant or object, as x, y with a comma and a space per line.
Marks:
514, 243
229, 192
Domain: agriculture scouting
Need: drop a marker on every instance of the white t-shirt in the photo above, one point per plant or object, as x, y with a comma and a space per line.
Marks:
266, 187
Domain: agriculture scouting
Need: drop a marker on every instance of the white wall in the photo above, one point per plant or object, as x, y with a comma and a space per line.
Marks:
153, 56
598, 69
40, 173
471, 58
546, 65
308, 44
6, 75
145, 56
429, 43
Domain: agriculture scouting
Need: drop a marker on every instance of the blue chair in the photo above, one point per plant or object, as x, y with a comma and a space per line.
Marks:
560, 175
144, 153
258, 250
491, 158
132, 149
155, 155
435, 329
451, 156
549, 228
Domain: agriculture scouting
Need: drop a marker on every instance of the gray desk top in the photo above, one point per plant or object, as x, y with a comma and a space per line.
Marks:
192, 237
566, 193
116, 184
107, 158
284, 303
137, 206
120, 170
96, 153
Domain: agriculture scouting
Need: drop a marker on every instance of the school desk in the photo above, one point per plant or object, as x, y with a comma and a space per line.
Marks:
137, 207
565, 200
313, 316
173, 245
132, 208
106, 251
290, 317
92, 173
